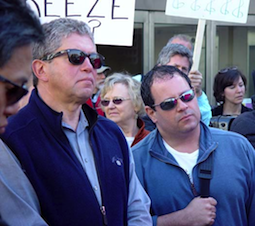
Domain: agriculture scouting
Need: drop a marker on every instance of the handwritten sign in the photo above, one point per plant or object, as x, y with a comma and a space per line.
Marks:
111, 21
221, 10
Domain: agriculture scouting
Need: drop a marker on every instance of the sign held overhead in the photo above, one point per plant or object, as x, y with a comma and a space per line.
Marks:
220, 10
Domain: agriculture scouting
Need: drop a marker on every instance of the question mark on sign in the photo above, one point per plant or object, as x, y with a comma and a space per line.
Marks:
97, 24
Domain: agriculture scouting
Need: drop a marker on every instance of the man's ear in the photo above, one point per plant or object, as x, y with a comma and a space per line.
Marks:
39, 68
151, 113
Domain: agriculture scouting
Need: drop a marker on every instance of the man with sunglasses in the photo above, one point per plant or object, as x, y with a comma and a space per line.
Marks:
169, 159
19, 28
196, 78
78, 162
181, 57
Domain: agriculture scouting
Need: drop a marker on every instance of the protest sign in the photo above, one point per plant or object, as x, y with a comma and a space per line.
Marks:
111, 21
219, 10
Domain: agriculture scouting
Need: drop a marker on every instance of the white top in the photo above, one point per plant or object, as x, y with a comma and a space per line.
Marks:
130, 140
186, 161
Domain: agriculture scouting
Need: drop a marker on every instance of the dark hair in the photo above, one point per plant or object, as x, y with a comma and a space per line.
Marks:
19, 26
158, 72
224, 78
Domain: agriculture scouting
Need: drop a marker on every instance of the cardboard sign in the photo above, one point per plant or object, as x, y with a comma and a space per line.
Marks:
111, 21
220, 10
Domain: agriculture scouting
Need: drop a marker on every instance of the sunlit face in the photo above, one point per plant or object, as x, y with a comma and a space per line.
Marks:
181, 62
70, 83
182, 119
122, 113
17, 70
234, 94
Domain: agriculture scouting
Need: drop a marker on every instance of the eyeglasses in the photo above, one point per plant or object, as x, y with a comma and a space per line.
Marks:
15, 93
116, 101
170, 103
77, 57
225, 70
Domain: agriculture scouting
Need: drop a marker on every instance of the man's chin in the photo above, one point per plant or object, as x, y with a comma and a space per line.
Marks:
2, 129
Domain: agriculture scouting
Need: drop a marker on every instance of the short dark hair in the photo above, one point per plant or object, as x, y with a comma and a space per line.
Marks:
19, 27
158, 72
224, 78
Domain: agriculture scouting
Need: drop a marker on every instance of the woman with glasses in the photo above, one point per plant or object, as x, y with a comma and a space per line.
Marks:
122, 103
229, 90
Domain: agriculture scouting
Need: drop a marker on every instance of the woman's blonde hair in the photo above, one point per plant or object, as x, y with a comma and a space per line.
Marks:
132, 85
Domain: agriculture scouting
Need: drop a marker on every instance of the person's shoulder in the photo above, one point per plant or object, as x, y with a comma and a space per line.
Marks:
224, 134
145, 142
246, 109
20, 120
229, 138
107, 125
243, 122
106, 122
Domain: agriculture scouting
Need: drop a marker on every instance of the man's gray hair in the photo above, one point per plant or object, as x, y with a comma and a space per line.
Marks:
181, 37
55, 31
170, 50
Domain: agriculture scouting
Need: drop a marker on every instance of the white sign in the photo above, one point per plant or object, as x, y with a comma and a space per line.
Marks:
111, 21
221, 10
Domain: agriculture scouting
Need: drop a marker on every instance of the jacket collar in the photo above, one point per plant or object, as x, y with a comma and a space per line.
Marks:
54, 118
206, 145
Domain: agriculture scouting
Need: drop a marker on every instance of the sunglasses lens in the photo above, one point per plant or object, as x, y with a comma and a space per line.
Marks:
96, 60
76, 57
168, 105
187, 97
105, 103
117, 101
15, 94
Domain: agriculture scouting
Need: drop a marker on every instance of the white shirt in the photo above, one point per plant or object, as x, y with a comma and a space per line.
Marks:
186, 161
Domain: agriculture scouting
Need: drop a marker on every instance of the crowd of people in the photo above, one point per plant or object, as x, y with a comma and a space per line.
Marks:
86, 147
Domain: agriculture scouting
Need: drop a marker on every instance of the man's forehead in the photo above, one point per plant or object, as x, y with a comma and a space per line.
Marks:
177, 57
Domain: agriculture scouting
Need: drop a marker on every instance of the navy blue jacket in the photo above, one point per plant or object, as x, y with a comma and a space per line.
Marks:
66, 197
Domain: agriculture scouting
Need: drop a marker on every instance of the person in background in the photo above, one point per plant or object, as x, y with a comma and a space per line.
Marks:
244, 124
229, 90
196, 78
79, 163
94, 100
168, 160
122, 103
19, 28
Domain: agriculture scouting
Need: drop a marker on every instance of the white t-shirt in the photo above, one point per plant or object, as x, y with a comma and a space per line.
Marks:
130, 140
186, 161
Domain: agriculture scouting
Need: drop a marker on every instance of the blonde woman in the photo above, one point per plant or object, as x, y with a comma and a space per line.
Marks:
122, 103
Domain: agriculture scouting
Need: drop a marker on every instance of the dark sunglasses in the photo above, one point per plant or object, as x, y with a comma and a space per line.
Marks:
170, 103
77, 57
116, 101
14, 94
225, 70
